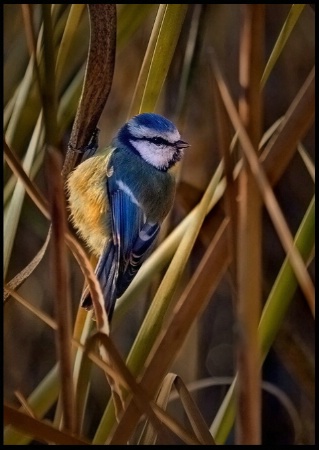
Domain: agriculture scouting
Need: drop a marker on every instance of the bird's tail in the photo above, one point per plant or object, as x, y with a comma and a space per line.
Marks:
107, 273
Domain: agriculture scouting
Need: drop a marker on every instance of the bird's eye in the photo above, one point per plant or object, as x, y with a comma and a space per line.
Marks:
158, 141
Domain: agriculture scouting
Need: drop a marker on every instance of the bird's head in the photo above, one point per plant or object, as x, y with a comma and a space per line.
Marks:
154, 138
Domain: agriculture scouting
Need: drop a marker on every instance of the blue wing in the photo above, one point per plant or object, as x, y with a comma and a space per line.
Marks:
142, 247
133, 236
132, 240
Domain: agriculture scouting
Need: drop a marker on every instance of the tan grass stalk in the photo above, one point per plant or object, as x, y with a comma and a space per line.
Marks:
61, 288
39, 429
249, 236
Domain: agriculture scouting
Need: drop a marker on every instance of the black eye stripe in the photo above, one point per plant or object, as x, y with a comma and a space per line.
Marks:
157, 140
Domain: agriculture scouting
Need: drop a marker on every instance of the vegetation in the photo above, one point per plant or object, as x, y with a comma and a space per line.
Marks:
214, 340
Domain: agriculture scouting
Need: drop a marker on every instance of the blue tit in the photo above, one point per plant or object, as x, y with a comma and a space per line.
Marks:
119, 197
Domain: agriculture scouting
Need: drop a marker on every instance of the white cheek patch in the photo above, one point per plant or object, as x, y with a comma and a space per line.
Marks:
124, 187
141, 131
158, 156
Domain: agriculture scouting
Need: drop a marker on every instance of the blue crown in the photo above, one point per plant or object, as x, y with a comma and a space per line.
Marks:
154, 121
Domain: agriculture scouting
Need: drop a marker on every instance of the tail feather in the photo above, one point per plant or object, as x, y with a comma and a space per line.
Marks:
107, 273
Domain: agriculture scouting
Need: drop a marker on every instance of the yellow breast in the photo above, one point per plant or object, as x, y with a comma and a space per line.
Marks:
88, 205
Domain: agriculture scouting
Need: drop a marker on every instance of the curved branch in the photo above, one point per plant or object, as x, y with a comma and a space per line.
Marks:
97, 82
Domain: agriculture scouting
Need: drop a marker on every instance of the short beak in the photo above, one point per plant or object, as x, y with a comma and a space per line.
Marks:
182, 144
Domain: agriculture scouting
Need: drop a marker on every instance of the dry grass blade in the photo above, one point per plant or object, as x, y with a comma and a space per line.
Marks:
35, 311
24, 403
297, 120
270, 132
196, 420
230, 195
148, 435
15, 282
32, 190
61, 287
307, 161
140, 397
122, 377
38, 429
268, 195
92, 282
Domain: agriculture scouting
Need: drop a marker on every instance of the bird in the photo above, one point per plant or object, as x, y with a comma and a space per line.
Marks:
119, 197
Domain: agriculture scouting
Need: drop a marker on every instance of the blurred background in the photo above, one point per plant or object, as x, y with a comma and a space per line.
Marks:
29, 345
